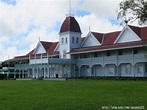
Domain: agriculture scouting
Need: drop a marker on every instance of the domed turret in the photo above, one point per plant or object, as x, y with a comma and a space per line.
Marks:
69, 36
70, 24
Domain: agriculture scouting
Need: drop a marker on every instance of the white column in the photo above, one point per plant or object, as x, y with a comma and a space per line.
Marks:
41, 58
33, 72
133, 74
79, 70
103, 72
29, 58
74, 71
37, 73
14, 74
22, 73
35, 58
28, 72
19, 73
45, 72
49, 72
90, 71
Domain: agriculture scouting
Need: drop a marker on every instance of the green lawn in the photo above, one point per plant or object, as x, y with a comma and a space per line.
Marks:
71, 94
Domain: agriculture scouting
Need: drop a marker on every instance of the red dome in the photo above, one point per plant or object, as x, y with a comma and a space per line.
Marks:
70, 24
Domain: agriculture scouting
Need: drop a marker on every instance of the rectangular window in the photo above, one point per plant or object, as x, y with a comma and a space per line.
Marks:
111, 70
95, 54
108, 53
66, 40
76, 56
72, 39
128, 68
140, 69
120, 52
62, 40
135, 51
77, 40
85, 56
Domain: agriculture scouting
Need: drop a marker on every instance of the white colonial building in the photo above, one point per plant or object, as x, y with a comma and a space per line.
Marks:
121, 53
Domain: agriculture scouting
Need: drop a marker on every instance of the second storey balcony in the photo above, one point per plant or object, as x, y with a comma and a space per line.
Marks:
51, 61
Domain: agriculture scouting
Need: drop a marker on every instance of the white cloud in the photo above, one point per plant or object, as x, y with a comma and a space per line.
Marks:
102, 8
22, 24
96, 24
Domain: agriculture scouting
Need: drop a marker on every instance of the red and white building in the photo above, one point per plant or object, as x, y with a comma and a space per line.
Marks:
121, 53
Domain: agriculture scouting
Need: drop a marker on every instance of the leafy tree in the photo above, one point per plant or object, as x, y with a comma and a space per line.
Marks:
132, 10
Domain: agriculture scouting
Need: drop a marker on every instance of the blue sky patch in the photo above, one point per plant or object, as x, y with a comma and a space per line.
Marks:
9, 2
82, 13
115, 21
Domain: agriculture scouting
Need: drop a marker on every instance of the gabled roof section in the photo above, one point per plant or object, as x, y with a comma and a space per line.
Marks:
52, 47
137, 30
109, 38
140, 31
92, 39
144, 33
57, 48
82, 39
30, 53
39, 48
109, 47
46, 45
98, 36
128, 35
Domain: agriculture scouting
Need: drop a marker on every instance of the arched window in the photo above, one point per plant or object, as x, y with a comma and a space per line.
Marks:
128, 68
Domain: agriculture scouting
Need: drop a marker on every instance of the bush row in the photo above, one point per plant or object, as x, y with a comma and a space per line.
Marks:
114, 78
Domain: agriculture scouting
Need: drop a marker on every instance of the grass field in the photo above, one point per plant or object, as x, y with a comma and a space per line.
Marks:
72, 94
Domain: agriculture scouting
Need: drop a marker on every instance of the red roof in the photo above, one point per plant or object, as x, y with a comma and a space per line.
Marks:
98, 36
137, 30
109, 47
70, 24
82, 39
109, 38
140, 31
49, 47
107, 41
51, 50
144, 33
46, 45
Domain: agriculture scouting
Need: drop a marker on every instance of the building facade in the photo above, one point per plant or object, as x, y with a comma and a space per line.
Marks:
122, 53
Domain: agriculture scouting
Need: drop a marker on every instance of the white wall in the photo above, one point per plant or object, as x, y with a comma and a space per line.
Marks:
40, 49
110, 70
90, 40
126, 70
69, 45
97, 70
128, 36
139, 70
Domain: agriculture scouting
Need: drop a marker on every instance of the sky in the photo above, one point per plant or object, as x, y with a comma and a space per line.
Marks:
24, 22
